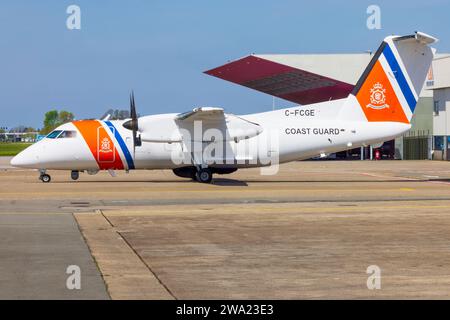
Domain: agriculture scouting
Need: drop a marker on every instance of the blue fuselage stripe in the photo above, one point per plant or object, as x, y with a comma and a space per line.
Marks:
122, 145
400, 77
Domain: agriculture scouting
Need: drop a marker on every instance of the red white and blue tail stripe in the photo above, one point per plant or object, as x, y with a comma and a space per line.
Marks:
390, 86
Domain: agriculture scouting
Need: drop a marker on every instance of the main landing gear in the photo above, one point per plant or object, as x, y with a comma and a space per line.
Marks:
44, 177
200, 174
204, 175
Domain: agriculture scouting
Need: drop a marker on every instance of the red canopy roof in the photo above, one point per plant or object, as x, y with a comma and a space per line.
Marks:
282, 81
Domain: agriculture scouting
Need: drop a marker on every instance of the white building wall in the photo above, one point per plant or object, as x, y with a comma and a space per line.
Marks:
441, 71
441, 120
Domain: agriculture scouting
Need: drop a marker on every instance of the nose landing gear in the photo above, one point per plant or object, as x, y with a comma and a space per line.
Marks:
44, 177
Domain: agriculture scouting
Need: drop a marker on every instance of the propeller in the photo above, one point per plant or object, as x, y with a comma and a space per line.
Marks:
133, 124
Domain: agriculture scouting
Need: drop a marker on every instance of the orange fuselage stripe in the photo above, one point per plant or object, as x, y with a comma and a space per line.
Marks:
100, 143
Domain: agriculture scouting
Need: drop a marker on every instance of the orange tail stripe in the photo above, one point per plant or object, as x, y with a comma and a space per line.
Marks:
378, 99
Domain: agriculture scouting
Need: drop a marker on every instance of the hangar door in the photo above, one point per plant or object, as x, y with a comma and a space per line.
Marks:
416, 147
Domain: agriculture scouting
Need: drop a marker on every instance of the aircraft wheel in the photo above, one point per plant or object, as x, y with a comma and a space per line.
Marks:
75, 174
204, 175
45, 178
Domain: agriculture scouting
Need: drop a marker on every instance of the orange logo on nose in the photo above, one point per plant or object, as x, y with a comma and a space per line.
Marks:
377, 97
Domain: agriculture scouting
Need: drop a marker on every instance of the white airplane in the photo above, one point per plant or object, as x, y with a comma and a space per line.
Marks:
206, 140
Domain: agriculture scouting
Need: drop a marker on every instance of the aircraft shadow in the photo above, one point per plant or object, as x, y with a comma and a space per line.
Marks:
440, 180
338, 181
218, 182
224, 182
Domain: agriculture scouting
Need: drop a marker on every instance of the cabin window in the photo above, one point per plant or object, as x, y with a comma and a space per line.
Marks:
54, 134
67, 134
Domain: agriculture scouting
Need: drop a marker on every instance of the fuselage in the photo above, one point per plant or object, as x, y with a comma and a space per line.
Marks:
287, 134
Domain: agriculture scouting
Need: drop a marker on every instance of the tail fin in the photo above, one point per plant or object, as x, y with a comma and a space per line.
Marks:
389, 88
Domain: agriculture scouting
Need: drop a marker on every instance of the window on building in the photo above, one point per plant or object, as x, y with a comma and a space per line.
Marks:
53, 134
436, 108
67, 134
438, 143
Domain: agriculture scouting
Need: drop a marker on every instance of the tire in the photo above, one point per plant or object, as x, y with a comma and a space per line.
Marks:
204, 175
75, 175
45, 178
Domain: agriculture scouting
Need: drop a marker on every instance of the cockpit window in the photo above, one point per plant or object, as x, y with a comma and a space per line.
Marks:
67, 134
54, 134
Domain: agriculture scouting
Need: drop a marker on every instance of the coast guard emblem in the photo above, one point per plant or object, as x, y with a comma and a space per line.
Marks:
105, 145
377, 97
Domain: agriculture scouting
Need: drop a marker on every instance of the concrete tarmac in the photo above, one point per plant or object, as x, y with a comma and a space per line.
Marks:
311, 231
35, 253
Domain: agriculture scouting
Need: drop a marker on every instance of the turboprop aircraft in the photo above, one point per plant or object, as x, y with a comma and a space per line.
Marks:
206, 140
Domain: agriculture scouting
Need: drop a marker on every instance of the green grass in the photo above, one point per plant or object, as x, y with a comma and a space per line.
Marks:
12, 148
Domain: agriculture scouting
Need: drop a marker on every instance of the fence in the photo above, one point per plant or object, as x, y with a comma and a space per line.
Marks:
416, 145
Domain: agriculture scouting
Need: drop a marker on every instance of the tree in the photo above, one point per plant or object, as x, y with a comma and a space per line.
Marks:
50, 121
30, 134
54, 119
65, 117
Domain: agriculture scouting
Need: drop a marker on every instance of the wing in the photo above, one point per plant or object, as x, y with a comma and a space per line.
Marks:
202, 113
229, 126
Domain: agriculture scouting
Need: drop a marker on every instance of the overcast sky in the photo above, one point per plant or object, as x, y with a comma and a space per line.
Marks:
161, 48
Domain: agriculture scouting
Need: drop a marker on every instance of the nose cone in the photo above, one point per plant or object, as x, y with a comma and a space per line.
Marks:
28, 158
18, 160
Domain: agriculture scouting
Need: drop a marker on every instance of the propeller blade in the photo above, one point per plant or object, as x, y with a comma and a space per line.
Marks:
133, 124
133, 107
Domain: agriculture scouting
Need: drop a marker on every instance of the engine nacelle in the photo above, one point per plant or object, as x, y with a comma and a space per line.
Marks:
185, 172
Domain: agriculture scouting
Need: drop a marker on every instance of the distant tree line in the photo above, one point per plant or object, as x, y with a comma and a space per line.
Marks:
55, 118
52, 120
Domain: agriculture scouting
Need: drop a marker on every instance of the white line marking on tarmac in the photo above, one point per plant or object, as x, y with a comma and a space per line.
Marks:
387, 177
403, 178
